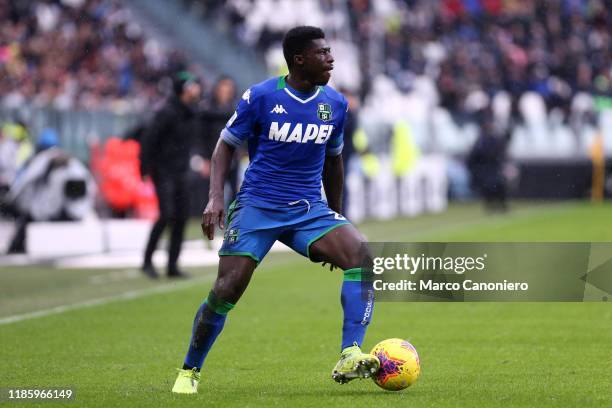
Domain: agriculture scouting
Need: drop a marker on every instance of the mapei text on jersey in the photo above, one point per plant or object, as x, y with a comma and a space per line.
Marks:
289, 133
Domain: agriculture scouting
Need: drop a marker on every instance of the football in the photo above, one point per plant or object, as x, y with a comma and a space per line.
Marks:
399, 364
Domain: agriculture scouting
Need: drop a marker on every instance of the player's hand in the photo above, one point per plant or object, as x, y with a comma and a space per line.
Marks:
214, 214
331, 266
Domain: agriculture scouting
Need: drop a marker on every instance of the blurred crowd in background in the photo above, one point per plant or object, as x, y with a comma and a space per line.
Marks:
79, 54
555, 48
94, 54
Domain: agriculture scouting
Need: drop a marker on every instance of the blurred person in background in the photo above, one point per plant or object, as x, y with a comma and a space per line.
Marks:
221, 108
15, 149
212, 118
164, 156
53, 186
486, 163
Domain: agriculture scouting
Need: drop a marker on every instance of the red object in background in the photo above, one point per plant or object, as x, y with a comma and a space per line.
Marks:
453, 8
492, 7
146, 202
118, 169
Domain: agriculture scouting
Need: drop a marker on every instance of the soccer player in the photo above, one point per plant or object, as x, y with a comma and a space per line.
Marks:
294, 128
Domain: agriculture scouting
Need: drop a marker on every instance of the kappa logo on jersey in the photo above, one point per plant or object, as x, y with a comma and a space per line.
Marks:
290, 133
247, 96
278, 109
324, 111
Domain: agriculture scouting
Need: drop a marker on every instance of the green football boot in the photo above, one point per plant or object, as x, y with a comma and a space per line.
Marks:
354, 364
186, 382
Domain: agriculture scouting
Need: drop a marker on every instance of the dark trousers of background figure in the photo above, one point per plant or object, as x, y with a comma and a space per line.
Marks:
173, 197
18, 243
492, 186
495, 195
199, 186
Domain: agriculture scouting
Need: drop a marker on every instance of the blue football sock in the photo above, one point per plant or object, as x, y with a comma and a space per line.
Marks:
357, 308
207, 325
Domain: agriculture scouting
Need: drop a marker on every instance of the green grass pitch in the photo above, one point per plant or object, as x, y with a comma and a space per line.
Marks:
281, 341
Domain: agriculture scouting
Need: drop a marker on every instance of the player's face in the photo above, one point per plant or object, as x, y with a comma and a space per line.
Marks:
318, 62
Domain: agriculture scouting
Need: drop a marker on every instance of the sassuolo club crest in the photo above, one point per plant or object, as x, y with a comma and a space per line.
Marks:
324, 111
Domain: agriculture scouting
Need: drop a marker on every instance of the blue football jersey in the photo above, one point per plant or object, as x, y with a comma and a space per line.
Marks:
289, 134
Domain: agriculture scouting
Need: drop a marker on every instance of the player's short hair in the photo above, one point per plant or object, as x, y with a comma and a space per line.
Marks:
298, 39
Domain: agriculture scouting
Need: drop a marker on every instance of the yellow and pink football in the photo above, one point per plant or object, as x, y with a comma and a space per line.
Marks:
399, 364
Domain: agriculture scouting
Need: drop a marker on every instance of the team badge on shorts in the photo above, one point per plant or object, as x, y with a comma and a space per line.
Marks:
232, 235
324, 111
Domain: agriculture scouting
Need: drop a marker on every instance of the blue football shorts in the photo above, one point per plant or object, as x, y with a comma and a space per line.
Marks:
251, 231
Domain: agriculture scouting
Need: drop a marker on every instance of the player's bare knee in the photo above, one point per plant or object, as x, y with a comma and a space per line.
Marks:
231, 282
227, 289
348, 258
353, 259
354, 251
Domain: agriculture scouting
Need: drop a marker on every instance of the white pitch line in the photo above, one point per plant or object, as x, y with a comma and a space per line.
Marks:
133, 294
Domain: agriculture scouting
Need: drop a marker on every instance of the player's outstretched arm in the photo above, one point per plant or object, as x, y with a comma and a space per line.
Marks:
214, 213
333, 181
